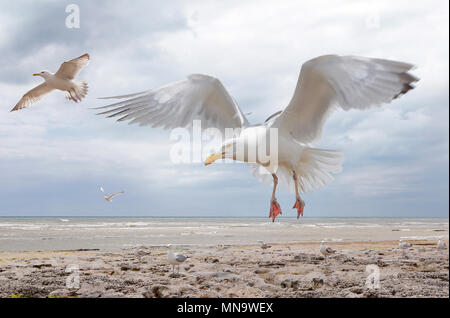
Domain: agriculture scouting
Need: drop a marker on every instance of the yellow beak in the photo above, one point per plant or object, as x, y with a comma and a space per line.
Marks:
35, 74
212, 158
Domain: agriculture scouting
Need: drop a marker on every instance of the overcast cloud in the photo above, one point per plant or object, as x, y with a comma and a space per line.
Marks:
54, 155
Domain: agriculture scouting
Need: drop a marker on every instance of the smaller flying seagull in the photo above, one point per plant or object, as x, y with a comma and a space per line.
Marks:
108, 197
63, 80
175, 259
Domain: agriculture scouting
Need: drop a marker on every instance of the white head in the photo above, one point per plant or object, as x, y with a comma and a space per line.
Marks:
323, 242
44, 74
169, 246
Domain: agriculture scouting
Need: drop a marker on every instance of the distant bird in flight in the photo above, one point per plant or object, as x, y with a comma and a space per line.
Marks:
109, 197
63, 79
326, 83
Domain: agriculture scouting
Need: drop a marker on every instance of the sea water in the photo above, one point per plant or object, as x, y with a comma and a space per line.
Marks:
112, 233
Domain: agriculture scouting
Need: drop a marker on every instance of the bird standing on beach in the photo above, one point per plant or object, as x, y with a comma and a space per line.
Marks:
109, 197
403, 245
441, 245
264, 245
326, 250
63, 79
174, 259
326, 83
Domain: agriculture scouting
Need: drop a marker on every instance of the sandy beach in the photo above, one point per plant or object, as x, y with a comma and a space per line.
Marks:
284, 270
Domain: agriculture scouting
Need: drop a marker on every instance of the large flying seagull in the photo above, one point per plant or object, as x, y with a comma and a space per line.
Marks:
325, 83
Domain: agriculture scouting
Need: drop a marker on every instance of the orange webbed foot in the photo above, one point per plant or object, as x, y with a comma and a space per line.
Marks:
299, 205
275, 209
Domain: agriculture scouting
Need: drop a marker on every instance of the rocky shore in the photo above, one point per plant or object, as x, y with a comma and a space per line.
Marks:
363, 269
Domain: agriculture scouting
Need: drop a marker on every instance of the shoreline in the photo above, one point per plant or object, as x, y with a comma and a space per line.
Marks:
113, 234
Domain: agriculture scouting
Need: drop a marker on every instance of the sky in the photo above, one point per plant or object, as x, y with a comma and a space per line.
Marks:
55, 154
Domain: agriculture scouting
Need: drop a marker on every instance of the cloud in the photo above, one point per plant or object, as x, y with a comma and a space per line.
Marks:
256, 49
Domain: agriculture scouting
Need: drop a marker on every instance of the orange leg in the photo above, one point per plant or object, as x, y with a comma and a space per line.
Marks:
275, 208
299, 203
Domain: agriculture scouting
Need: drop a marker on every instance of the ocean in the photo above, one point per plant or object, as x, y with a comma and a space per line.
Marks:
112, 233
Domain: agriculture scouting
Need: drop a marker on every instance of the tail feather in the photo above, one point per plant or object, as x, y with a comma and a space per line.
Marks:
78, 92
316, 167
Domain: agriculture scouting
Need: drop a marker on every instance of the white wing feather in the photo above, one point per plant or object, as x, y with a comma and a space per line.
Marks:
178, 104
345, 81
115, 194
70, 69
32, 96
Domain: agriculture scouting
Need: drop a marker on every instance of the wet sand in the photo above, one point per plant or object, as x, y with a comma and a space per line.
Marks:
284, 270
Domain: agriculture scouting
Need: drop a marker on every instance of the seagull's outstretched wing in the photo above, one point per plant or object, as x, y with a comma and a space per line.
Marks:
33, 96
344, 81
70, 69
115, 194
199, 97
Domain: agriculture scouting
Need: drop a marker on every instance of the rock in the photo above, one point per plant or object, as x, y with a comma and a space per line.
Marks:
129, 267
112, 295
157, 291
295, 284
317, 283
286, 283
176, 275
371, 293
40, 265
261, 271
63, 293
95, 294
147, 294
349, 294
357, 290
